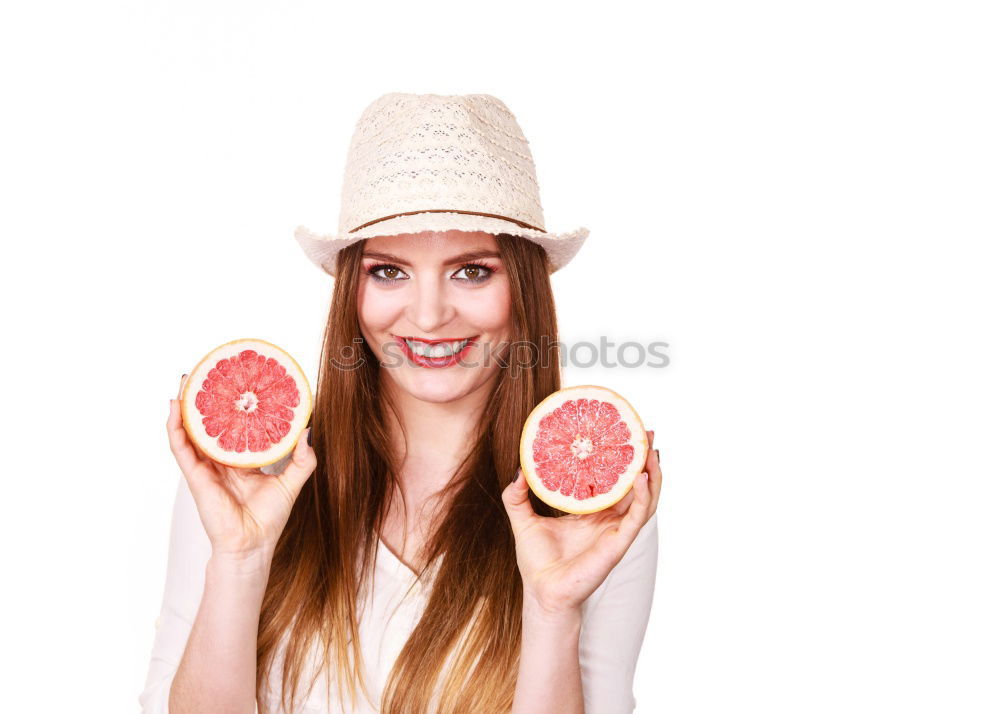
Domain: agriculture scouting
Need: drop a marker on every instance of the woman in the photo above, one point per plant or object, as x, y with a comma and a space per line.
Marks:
396, 560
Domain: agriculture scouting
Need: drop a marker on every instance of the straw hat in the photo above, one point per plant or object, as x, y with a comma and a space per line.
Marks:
431, 162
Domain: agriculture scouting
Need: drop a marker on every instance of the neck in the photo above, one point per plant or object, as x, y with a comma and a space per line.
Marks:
429, 440
433, 437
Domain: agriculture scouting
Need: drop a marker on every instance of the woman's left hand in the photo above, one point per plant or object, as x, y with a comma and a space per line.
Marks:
563, 560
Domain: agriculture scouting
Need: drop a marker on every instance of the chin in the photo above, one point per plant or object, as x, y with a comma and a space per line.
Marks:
440, 389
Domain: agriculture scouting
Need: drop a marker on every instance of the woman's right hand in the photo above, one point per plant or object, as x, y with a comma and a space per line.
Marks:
243, 510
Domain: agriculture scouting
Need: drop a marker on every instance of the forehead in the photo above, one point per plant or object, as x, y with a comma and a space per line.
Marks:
432, 244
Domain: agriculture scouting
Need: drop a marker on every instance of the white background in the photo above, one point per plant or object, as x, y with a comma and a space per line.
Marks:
800, 197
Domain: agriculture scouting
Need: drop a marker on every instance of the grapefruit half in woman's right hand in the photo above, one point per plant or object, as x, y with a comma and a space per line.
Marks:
243, 510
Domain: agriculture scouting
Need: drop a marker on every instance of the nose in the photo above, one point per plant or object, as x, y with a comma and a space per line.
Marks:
432, 307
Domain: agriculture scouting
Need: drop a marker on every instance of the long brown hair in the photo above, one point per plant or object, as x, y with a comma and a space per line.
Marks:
470, 630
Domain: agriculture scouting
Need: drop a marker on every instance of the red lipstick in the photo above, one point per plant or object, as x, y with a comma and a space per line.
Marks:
433, 362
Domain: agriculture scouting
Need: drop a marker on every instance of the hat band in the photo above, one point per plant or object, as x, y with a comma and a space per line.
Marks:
448, 210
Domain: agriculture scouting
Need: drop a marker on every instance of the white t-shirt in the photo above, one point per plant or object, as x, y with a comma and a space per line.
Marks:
613, 623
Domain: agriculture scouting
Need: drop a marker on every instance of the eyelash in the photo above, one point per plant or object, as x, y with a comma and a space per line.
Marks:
482, 266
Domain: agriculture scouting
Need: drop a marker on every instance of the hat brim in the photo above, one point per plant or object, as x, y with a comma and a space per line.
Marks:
322, 249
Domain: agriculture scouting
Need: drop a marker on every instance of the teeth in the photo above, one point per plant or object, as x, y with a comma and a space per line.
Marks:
442, 349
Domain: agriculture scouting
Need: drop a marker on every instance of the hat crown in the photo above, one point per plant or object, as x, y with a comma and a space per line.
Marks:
433, 152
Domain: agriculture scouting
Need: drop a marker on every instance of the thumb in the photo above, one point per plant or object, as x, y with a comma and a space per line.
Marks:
515, 500
302, 465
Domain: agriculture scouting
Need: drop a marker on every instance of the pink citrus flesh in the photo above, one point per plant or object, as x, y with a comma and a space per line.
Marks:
582, 448
246, 403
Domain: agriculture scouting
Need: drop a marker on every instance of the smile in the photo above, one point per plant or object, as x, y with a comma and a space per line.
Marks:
434, 353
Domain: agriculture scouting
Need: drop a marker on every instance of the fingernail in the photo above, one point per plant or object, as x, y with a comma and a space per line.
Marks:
657, 455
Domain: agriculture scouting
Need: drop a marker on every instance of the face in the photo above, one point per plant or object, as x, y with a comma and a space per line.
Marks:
434, 307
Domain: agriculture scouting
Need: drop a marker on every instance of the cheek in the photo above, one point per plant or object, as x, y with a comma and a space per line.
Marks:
377, 309
490, 310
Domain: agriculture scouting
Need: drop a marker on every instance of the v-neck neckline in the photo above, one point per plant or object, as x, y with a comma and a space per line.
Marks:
406, 569
396, 558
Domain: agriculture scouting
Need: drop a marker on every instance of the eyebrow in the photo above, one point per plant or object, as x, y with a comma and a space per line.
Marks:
460, 258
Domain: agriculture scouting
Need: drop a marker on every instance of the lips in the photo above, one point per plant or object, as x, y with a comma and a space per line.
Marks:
434, 342
436, 349
449, 351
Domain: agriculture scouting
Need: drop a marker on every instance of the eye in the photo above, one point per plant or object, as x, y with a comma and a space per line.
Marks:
392, 273
474, 273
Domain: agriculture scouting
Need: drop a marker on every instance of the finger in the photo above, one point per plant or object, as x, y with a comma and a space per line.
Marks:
638, 512
197, 450
301, 467
187, 457
655, 479
649, 437
179, 444
623, 505
518, 505
200, 456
